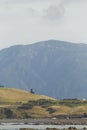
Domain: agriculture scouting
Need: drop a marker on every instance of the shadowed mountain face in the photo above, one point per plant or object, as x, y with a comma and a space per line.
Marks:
54, 68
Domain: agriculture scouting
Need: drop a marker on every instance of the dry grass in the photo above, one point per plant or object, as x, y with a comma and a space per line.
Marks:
38, 111
16, 95
12, 98
64, 110
79, 110
61, 110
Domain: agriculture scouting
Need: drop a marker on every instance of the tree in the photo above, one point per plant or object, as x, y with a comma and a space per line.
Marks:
32, 91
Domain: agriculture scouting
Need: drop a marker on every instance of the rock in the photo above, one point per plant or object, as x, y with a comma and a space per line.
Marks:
26, 129
52, 129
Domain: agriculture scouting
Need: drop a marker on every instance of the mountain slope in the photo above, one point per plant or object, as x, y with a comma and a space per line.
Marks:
54, 68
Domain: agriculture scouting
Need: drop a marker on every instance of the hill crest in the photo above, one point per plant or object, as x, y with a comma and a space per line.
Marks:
18, 95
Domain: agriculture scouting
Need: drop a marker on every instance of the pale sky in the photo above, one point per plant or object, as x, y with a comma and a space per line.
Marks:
29, 21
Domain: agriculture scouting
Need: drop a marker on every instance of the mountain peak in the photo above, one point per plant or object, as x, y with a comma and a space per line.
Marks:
53, 68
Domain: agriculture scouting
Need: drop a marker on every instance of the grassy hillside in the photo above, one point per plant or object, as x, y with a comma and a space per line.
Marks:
17, 95
15, 103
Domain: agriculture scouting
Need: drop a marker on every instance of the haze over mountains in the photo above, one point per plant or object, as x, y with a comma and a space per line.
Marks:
53, 68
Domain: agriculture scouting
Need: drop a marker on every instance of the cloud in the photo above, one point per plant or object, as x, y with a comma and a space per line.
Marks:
58, 11
32, 8
27, 21
54, 13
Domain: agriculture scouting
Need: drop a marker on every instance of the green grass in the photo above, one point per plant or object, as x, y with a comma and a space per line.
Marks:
73, 103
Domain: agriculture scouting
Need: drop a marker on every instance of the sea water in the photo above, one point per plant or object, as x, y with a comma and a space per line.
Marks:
10, 126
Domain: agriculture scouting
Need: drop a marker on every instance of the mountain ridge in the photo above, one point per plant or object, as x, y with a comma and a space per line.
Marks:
53, 68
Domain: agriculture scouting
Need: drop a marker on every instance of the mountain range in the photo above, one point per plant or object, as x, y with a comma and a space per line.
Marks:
54, 68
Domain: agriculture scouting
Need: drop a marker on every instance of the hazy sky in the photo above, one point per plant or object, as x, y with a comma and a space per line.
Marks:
28, 21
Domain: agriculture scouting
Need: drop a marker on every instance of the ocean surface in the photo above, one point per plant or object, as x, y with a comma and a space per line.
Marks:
11, 126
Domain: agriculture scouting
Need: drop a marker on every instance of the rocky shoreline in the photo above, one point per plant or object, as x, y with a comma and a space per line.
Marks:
70, 128
47, 121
